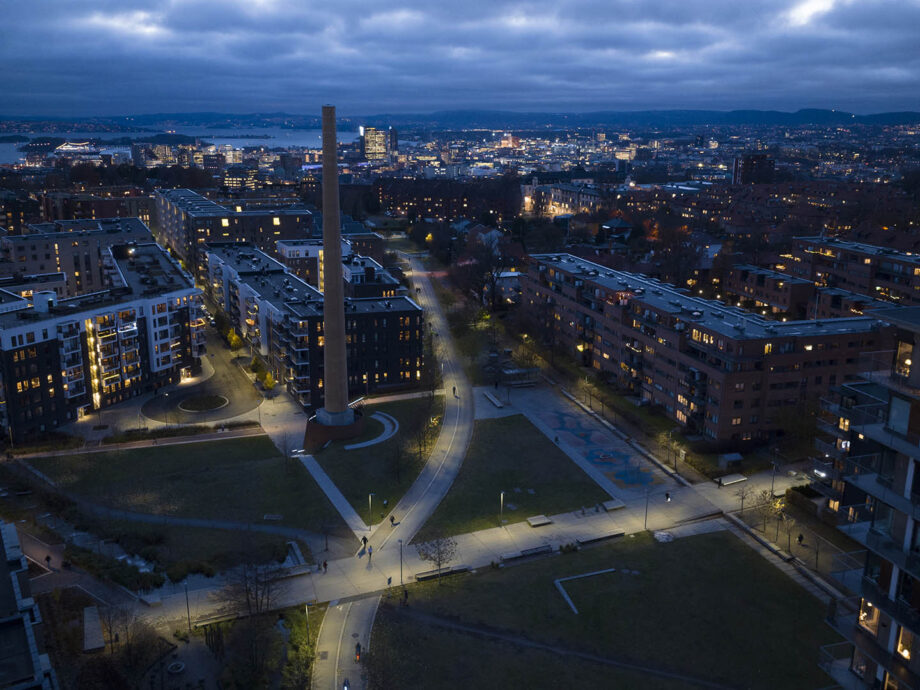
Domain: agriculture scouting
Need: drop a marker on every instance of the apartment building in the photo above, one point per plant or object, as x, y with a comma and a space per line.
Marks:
73, 247
186, 221
718, 370
879, 272
63, 359
869, 446
781, 295
281, 317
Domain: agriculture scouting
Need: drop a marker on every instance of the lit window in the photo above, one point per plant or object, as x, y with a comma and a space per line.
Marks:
225, 222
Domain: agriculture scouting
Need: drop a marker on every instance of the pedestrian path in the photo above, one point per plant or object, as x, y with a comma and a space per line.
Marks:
390, 427
341, 504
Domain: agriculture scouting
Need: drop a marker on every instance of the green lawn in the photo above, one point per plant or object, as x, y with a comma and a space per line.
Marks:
373, 469
708, 607
443, 660
240, 479
506, 454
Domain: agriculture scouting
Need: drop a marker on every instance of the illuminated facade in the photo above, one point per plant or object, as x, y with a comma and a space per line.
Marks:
281, 316
725, 373
63, 359
869, 471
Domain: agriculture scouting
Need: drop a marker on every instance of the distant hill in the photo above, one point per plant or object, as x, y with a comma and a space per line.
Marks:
504, 119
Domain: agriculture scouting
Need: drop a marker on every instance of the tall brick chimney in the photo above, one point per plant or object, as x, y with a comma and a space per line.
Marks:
335, 410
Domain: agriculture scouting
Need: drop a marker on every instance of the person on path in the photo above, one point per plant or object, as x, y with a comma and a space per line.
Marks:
325, 567
364, 541
800, 538
392, 521
370, 554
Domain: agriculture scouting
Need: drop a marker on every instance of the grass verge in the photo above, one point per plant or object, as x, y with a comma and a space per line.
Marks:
510, 454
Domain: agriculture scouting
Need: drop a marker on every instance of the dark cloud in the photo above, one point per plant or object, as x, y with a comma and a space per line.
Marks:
62, 57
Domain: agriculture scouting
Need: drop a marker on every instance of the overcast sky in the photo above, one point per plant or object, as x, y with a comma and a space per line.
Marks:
106, 57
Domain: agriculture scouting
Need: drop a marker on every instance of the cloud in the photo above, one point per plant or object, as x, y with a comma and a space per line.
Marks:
132, 56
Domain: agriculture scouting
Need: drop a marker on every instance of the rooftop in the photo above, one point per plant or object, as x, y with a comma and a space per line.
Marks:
870, 249
709, 314
768, 273
285, 291
102, 225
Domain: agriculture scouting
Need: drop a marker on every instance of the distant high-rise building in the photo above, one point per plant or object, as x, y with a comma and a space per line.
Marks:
373, 143
393, 141
754, 168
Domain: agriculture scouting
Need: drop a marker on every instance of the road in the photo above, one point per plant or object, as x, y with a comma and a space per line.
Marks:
227, 381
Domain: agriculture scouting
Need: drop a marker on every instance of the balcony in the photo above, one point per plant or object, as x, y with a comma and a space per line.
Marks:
843, 616
900, 610
831, 428
829, 450
880, 368
128, 330
880, 433
847, 569
836, 660
863, 474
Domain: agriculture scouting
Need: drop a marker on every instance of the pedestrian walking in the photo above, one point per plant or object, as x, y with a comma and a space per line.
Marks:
800, 538
667, 496
364, 541
392, 521
325, 567
370, 554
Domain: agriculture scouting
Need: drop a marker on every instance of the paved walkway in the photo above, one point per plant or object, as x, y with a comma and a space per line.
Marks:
439, 472
344, 626
390, 427
341, 504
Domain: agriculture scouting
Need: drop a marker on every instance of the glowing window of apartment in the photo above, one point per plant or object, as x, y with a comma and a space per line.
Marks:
905, 642
225, 222
276, 221
767, 348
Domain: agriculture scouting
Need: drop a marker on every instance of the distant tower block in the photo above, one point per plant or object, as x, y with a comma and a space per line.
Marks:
335, 411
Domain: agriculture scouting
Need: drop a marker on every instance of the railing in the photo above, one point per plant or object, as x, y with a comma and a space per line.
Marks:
831, 428
836, 660
829, 449
881, 368
900, 610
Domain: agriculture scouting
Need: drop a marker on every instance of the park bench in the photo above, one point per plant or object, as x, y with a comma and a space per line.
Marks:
539, 521
537, 550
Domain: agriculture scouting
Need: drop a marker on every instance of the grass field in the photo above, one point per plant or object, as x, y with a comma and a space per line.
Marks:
362, 471
504, 455
707, 607
240, 479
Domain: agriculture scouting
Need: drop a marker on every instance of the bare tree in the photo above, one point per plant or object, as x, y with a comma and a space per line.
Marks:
438, 551
744, 492
765, 507
788, 527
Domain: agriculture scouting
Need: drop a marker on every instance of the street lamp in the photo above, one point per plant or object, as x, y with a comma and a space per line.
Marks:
306, 608
188, 610
646, 508
166, 397
400, 564
501, 508
370, 513
773, 479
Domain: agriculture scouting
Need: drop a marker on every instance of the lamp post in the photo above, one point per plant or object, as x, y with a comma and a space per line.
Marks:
400, 564
773, 478
166, 398
188, 610
646, 509
671, 449
306, 608
370, 513
501, 508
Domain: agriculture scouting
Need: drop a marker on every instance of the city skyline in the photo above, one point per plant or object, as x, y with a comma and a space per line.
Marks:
121, 58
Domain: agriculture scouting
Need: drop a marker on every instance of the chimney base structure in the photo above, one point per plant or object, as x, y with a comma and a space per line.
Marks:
335, 419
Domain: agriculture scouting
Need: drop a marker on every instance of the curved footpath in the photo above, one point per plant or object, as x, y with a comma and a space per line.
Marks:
331, 669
